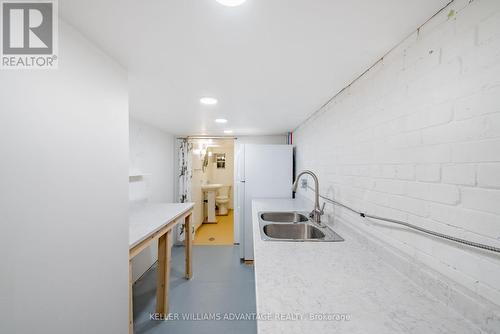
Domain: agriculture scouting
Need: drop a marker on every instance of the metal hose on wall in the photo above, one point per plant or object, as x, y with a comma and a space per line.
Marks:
420, 229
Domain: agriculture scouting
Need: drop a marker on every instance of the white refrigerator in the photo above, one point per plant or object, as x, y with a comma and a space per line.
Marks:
262, 171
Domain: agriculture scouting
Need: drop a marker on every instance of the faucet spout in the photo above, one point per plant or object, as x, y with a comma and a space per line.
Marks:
317, 211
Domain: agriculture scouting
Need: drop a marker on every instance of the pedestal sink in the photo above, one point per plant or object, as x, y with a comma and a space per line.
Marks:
211, 190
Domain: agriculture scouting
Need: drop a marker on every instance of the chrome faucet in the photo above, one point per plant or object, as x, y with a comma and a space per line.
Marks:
317, 212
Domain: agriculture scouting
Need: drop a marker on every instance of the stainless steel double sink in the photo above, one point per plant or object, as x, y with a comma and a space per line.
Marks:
293, 226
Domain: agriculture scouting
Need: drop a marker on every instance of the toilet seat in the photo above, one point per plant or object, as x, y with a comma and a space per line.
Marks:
222, 199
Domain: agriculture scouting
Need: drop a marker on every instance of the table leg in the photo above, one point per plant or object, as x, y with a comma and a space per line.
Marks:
188, 243
130, 299
162, 285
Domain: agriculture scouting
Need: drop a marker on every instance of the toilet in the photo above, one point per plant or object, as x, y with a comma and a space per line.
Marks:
222, 200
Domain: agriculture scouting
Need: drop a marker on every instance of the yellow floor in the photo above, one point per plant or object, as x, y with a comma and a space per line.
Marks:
219, 234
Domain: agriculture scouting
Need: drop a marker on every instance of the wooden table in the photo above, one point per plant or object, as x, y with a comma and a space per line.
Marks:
155, 221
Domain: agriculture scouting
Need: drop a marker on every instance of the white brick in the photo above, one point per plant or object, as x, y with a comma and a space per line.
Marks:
402, 172
475, 12
386, 171
459, 174
429, 116
419, 124
460, 44
485, 58
441, 193
377, 198
383, 210
489, 29
386, 129
391, 187
484, 102
492, 126
432, 87
481, 199
479, 79
466, 130
428, 173
411, 205
409, 139
430, 154
482, 223
488, 175
481, 151
363, 182
405, 172
489, 292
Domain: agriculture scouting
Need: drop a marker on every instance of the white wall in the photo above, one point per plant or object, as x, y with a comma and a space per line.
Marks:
63, 197
417, 138
152, 153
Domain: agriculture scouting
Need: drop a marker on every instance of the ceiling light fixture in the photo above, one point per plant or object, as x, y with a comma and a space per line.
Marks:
221, 120
210, 101
228, 131
231, 3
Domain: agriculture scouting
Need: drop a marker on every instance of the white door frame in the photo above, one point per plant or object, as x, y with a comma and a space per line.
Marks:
237, 206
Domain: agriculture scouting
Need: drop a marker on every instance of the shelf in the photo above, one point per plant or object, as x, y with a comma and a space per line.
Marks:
136, 176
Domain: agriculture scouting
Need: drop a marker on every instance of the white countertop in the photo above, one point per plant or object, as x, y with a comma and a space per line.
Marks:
147, 218
300, 278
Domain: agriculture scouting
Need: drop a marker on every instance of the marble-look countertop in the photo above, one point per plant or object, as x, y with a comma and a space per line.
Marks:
147, 218
296, 279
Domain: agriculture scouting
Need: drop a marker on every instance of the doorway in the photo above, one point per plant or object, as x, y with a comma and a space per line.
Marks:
212, 190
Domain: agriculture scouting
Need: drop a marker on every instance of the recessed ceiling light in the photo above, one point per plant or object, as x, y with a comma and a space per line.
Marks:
208, 101
221, 120
231, 3
228, 131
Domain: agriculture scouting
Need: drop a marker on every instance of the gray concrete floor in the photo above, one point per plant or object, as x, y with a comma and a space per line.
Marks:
221, 283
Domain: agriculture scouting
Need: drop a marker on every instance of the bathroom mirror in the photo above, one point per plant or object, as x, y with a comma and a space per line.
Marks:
220, 159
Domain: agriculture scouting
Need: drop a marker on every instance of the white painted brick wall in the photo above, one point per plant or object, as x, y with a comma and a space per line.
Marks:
428, 172
460, 174
417, 138
488, 175
486, 200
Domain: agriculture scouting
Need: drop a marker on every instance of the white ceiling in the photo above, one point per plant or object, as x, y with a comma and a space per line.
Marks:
270, 63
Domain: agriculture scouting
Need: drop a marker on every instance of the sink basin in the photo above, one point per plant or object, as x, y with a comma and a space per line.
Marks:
283, 217
211, 186
293, 231
293, 226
